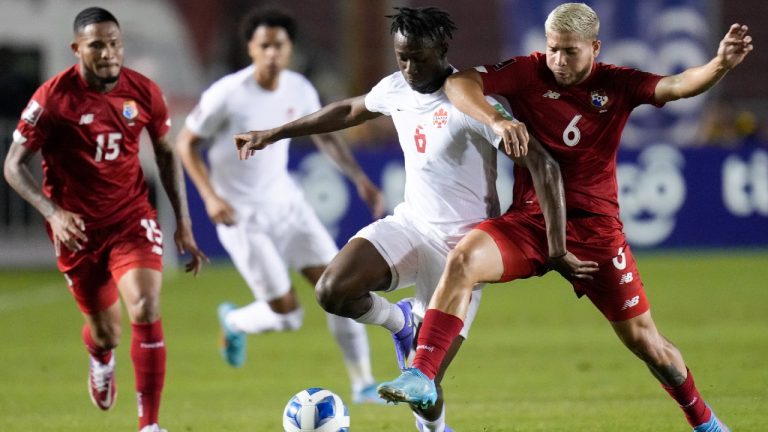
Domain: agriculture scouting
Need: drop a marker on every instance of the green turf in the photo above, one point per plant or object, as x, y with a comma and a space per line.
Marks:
536, 360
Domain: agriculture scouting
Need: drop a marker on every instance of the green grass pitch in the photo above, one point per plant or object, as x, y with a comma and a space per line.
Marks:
537, 359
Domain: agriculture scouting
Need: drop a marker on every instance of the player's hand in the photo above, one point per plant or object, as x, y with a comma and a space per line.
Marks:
570, 267
68, 229
735, 46
247, 143
514, 135
185, 242
219, 211
368, 192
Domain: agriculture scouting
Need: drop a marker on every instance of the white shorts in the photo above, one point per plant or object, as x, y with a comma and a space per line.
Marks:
416, 256
268, 241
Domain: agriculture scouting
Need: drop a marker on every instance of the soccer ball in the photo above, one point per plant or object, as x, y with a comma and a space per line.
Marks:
315, 410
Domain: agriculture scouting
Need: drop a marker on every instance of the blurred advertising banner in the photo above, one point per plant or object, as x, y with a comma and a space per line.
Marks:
670, 197
659, 36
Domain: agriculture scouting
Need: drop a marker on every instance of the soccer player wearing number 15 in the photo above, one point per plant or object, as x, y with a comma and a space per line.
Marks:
86, 122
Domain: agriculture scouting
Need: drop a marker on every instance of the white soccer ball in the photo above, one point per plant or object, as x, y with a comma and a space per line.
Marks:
315, 410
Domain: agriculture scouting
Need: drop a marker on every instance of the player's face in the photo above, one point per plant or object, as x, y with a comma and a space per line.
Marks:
270, 49
422, 63
99, 47
570, 57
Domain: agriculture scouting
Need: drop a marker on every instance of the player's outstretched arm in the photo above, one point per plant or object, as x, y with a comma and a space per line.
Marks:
465, 91
68, 228
548, 183
171, 176
336, 148
733, 48
336, 116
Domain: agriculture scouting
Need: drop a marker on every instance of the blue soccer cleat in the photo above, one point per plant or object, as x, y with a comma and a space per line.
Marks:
367, 395
413, 387
233, 344
404, 338
713, 425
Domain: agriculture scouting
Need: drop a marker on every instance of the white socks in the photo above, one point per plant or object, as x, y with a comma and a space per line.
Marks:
431, 426
353, 341
383, 313
257, 317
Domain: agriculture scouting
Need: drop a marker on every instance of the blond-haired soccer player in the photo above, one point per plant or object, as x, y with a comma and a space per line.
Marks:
585, 115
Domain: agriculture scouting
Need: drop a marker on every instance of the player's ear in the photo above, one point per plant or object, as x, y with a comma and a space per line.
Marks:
596, 46
74, 47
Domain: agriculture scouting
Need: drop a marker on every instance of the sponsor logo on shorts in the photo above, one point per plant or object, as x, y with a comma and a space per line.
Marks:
631, 302
626, 278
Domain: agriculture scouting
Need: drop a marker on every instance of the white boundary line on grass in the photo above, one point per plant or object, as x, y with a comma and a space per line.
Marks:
32, 297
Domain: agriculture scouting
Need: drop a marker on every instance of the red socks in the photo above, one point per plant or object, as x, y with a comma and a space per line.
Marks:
435, 337
102, 355
687, 396
148, 355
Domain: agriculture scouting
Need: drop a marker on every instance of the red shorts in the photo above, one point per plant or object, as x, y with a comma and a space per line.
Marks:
93, 273
616, 289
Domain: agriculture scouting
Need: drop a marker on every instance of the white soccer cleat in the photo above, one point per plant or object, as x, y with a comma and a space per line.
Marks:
101, 383
153, 428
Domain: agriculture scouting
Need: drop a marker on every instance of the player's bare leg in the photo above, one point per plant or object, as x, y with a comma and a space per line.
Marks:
347, 287
666, 363
352, 338
140, 290
475, 259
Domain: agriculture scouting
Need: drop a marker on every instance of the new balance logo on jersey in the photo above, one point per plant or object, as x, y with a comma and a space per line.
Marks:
551, 95
86, 119
626, 278
631, 302
429, 348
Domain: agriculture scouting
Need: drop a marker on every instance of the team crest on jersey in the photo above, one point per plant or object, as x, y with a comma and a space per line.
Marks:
440, 118
32, 112
599, 98
130, 110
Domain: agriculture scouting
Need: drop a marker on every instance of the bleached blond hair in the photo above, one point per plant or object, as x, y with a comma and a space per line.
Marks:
573, 18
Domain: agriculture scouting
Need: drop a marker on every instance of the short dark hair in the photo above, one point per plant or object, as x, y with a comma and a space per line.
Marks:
271, 17
430, 23
93, 15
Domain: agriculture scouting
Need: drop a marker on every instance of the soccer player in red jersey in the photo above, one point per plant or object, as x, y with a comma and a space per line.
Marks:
86, 122
577, 109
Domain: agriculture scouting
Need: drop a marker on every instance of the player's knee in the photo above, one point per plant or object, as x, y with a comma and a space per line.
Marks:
459, 266
329, 292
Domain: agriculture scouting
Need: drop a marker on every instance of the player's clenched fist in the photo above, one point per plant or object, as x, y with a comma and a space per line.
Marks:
247, 143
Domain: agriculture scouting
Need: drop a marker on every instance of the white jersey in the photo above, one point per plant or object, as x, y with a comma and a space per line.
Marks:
237, 103
450, 158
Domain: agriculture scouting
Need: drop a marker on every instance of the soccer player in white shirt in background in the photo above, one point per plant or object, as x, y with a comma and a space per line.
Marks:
450, 165
261, 216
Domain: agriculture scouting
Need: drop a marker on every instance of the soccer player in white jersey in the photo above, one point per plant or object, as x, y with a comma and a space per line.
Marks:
261, 216
450, 162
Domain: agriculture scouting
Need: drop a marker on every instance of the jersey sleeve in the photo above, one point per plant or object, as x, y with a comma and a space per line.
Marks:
482, 129
311, 99
209, 114
639, 86
508, 77
160, 122
36, 120
376, 99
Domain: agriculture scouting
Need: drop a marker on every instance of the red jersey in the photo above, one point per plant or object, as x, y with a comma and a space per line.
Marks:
579, 125
89, 142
